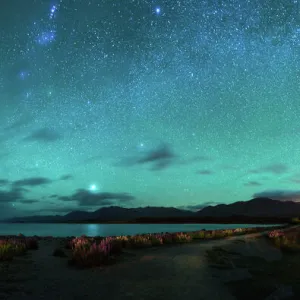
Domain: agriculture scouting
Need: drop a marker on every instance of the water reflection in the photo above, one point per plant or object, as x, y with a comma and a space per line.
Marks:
107, 229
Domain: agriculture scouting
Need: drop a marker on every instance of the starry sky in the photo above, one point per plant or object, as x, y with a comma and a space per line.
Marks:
147, 102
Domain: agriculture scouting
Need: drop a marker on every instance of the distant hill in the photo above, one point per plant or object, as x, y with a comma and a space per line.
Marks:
117, 213
112, 213
258, 207
243, 210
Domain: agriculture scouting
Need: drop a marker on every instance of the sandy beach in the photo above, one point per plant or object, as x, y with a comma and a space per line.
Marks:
175, 272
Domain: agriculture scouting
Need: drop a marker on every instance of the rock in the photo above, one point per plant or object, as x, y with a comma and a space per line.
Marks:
59, 253
282, 292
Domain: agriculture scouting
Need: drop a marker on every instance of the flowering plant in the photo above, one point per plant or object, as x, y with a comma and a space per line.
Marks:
15, 246
275, 234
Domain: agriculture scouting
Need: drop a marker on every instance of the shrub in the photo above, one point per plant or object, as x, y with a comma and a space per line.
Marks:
124, 240
156, 239
116, 246
275, 234
140, 241
288, 241
239, 230
88, 253
295, 221
198, 234
6, 251
181, 238
68, 244
228, 232
208, 235
217, 234
59, 253
80, 242
31, 243
167, 238
11, 247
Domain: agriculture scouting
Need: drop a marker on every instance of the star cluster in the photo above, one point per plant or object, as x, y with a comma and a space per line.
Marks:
174, 103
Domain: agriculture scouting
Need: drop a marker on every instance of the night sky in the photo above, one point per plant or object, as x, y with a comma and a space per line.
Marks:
138, 102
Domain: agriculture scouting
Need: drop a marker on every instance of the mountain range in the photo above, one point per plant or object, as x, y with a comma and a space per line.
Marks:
255, 208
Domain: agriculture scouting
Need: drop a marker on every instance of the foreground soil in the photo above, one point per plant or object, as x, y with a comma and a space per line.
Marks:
189, 271
255, 269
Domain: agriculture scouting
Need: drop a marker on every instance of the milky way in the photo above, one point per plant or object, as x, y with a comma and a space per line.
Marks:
139, 102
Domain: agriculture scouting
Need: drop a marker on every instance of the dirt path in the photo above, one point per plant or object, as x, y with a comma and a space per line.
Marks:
176, 272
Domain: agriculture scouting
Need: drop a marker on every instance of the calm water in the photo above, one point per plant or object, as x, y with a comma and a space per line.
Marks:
107, 229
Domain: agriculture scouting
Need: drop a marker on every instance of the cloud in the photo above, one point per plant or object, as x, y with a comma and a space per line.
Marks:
282, 195
205, 172
274, 169
253, 183
19, 189
4, 182
66, 177
28, 201
159, 158
7, 198
195, 159
87, 198
64, 198
160, 165
162, 152
44, 135
7, 210
197, 207
58, 210
34, 181
11, 196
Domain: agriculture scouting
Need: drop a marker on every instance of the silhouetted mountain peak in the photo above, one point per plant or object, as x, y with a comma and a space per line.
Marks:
255, 207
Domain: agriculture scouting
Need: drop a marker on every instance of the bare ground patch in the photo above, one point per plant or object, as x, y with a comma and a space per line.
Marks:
256, 269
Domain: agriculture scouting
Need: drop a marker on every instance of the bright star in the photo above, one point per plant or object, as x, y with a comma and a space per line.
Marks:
157, 10
52, 11
93, 187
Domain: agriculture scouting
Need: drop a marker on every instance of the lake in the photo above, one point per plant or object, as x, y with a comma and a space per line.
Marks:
63, 230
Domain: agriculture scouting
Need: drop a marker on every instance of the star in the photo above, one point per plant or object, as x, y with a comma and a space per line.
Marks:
141, 147
157, 10
93, 188
46, 37
23, 75
113, 80
52, 11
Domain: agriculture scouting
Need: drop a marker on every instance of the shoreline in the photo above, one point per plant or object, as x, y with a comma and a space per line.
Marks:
233, 222
183, 269
39, 237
